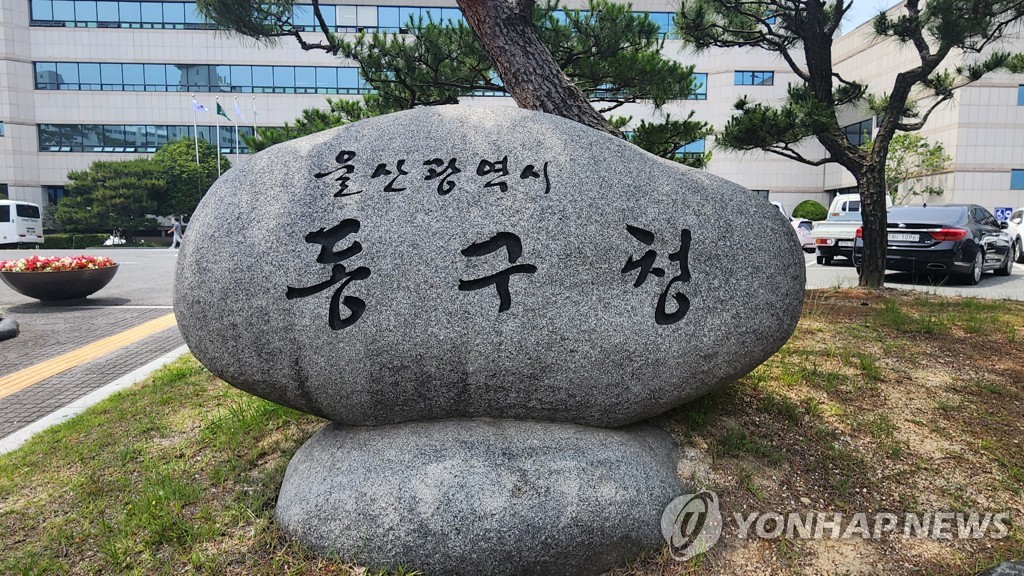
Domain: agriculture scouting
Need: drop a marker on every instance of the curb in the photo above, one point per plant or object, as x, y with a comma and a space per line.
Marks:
19, 437
8, 329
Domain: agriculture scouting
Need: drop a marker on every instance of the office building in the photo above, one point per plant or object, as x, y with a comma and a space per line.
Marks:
88, 80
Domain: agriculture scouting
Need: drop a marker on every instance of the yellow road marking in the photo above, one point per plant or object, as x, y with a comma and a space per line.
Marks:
34, 374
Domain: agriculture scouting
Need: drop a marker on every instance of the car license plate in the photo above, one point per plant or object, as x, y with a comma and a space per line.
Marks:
846, 242
30, 230
903, 237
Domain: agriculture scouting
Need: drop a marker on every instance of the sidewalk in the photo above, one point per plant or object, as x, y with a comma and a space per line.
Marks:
65, 353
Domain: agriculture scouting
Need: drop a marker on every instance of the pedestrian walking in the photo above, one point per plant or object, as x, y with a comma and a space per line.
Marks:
176, 231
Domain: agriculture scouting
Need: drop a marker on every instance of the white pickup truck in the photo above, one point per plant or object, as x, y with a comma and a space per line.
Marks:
834, 236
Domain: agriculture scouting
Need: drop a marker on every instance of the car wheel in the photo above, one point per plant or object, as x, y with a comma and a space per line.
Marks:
974, 276
1018, 250
1007, 266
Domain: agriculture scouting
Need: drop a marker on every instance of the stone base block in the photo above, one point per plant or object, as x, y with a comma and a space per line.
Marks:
481, 496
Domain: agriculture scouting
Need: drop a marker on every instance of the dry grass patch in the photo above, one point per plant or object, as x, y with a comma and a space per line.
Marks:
881, 402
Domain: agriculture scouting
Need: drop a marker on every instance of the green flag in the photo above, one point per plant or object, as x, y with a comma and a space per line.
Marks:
220, 111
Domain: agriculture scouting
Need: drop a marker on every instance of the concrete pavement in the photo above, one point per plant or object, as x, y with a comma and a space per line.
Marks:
842, 274
67, 353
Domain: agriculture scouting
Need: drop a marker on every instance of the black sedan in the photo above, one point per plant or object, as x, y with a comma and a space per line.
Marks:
963, 239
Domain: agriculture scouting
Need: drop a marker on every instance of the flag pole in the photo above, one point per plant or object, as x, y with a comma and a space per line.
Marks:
253, 116
216, 100
195, 128
236, 131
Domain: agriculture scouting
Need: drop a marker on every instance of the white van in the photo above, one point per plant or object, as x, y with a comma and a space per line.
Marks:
20, 223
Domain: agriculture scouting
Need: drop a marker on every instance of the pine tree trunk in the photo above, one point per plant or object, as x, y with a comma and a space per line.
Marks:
505, 29
875, 225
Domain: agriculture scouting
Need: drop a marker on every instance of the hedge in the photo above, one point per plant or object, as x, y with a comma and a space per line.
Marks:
73, 241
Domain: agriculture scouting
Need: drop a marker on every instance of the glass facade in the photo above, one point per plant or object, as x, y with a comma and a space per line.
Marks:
1020, 95
107, 14
133, 138
1, 129
858, 133
752, 78
198, 78
184, 16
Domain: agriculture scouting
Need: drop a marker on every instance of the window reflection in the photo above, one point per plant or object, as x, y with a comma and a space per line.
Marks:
185, 15
132, 138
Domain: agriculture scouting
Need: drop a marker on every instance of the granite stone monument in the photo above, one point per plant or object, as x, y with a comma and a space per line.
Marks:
487, 290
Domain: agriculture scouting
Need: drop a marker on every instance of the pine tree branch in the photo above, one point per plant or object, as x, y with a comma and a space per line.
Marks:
324, 28
787, 152
617, 104
914, 126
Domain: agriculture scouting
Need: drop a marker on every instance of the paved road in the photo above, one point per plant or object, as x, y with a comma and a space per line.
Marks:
145, 277
843, 274
66, 352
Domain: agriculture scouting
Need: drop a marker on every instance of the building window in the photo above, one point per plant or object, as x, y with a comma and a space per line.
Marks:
185, 16
53, 194
1016, 179
858, 133
700, 87
3, 193
694, 149
1, 129
199, 78
132, 138
761, 193
748, 78
1020, 95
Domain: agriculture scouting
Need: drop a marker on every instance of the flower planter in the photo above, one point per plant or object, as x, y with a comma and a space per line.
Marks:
62, 284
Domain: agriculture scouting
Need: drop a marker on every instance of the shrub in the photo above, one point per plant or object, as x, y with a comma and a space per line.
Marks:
71, 241
810, 210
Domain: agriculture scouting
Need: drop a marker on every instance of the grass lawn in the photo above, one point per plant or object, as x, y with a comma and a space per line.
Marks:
888, 401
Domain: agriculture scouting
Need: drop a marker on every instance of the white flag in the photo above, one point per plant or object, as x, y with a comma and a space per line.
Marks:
197, 107
238, 111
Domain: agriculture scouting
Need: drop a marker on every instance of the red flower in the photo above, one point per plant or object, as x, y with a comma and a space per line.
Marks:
55, 263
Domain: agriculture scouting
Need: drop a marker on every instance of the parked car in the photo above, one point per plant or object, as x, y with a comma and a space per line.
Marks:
803, 228
835, 236
1016, 231
962, 239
